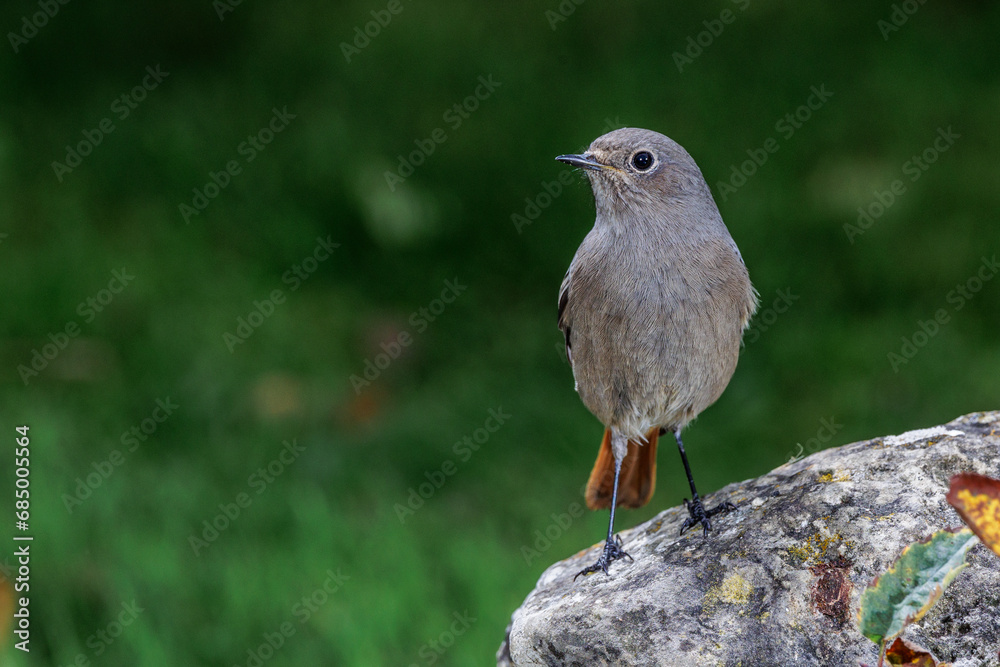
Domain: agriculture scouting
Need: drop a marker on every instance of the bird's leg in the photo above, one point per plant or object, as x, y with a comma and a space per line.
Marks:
697, 511
613, 545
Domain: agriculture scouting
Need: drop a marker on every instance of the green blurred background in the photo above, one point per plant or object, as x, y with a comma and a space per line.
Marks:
815, 369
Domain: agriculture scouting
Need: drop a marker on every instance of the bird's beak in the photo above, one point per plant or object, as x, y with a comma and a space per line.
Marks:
583, 161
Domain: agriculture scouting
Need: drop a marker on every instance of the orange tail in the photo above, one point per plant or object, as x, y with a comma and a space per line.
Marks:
636, 481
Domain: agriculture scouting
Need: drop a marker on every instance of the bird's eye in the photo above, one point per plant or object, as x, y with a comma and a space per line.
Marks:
642, 160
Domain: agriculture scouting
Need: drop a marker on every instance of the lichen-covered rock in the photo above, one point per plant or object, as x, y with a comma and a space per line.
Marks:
778, 580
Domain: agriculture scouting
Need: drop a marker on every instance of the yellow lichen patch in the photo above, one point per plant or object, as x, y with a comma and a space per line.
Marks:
734, 589
825, 479
841, 476
815, 549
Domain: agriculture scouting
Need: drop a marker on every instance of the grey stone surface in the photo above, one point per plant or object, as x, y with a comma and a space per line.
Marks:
778, 580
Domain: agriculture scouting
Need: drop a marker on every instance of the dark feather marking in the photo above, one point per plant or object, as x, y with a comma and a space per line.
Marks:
563, 301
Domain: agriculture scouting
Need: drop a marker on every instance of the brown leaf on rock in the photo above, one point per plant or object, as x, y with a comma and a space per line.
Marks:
908, 654
976, 498
831, 594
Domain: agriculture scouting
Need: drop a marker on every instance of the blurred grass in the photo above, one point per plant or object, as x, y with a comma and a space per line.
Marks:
496, 346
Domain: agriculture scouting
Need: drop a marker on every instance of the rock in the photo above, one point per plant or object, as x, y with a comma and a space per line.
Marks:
777, 582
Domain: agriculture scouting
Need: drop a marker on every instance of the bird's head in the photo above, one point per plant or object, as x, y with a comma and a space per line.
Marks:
638, 173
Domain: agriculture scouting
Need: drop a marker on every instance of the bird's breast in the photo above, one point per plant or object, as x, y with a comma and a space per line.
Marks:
654, 339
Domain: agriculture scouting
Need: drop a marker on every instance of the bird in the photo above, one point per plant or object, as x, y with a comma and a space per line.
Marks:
652, 308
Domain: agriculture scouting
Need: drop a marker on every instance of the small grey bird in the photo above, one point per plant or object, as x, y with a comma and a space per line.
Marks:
653, 309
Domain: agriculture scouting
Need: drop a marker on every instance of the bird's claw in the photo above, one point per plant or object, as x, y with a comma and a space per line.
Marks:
698, 514
612, 551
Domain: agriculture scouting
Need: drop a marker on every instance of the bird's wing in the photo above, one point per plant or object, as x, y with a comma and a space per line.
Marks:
563, 302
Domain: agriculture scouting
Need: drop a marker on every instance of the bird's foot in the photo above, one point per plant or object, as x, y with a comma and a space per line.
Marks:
698, 514
612, 551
